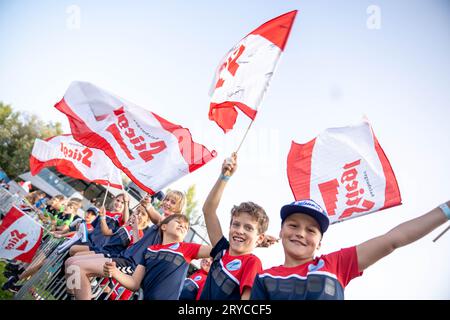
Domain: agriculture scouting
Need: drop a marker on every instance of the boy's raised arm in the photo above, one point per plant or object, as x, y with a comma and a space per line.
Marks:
212, 201
373, 250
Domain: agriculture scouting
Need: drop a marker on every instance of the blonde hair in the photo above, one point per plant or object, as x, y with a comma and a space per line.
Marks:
180, 199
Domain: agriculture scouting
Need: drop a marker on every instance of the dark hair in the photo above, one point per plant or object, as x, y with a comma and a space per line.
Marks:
172, 217
255, 211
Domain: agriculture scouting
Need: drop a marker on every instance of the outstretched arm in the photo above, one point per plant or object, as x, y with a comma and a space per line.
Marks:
154, 215
212, 201
373, 250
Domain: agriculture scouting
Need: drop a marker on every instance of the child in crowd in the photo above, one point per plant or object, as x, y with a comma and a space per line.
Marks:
127, 259
62, 220
324, 278
105, 225
193, 286
54, 206
173, 203
234, 267
125, 236
90, 216
162, 267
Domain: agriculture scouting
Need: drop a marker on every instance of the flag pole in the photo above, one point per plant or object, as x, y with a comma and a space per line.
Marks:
245, 135
441, 234
107, 189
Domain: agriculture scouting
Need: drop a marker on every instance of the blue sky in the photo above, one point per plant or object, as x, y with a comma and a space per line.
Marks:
162, 55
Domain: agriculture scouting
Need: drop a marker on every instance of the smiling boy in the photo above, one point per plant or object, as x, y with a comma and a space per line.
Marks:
234, 266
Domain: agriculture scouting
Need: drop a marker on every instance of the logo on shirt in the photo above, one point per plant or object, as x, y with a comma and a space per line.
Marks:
175, 246
197, 278
318, 266
234, 265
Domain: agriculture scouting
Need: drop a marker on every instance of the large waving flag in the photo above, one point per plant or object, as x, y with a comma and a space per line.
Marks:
244, 74
149, 149
345, 170
75, 160
20, 236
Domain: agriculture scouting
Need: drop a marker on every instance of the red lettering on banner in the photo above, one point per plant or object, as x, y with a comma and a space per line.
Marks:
231, 64
83, 156
147, 150
329, 191
354, 195
16, 236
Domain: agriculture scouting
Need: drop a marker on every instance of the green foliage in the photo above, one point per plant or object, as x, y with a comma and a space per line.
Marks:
191, 210
18, 131
4, 295
191, 204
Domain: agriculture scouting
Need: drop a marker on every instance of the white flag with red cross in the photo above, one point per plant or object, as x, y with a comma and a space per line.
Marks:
75, 160
244, 74
20, 236
150, 150
345, 170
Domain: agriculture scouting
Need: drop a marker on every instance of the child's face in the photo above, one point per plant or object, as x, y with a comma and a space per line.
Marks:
205, 264
300, 235
90, 217
56, 204
243, 234
142, 218
119, 204
70, 209
168, 205
177, 228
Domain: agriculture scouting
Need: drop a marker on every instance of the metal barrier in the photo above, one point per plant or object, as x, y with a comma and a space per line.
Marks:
49, 282
7, 200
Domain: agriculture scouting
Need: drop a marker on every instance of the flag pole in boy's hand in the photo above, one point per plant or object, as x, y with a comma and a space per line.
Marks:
441, 234
107, 189
245, 135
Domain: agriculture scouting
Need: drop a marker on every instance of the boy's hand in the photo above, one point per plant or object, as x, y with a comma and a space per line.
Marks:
102, 212
229, 165
268, 241
126, 197
109, 269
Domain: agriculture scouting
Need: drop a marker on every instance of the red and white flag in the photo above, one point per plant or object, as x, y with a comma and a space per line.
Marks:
20, 236
244, 74
150, 150
345, 170
75, 160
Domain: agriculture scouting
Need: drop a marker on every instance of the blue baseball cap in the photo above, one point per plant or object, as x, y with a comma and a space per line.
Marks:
93, 209
309, 207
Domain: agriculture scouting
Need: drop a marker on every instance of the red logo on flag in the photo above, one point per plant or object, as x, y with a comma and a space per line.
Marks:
138, 142
354, 195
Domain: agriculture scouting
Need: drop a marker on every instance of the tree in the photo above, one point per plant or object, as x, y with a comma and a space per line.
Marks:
191, 205
18, 130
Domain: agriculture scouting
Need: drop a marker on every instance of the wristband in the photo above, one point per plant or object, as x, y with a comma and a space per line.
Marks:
102, 217
224, 177
446, 210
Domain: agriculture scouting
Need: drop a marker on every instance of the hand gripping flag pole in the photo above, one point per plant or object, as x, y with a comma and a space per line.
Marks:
107, 189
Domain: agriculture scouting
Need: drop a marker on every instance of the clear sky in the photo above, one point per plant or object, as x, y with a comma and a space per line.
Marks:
339, 65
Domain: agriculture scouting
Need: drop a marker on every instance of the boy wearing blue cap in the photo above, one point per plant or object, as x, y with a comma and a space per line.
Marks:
304, 277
